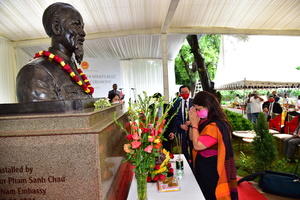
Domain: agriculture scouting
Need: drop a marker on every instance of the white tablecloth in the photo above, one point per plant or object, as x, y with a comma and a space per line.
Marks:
189, 188
244, 134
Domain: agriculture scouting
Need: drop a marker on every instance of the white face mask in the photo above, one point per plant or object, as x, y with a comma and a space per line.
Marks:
116, 102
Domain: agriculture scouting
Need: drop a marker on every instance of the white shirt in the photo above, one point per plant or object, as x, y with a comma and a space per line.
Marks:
182, 106
256, 105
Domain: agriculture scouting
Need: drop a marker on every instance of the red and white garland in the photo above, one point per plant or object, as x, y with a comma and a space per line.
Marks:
85, 85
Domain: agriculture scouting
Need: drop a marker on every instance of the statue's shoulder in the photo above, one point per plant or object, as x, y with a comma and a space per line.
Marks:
37, 65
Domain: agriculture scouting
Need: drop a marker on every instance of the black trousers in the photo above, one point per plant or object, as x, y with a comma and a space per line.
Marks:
290, 146
207, 175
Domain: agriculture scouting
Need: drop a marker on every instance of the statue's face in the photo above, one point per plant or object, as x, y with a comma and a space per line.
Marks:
73, 33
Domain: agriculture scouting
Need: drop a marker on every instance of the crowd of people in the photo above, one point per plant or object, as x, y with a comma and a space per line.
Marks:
272, 109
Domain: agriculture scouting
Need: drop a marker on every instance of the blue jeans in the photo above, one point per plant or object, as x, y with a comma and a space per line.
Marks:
254, 117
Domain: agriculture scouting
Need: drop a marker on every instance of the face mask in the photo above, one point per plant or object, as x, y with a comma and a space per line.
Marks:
185, 96
271, 100
202, 114
115, 102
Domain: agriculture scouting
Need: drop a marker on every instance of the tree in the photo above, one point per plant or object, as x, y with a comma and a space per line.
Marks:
187, 71
184, 70
265, 151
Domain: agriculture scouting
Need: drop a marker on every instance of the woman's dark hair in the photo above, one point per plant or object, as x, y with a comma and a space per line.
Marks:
112, 95
208, 100
157, 95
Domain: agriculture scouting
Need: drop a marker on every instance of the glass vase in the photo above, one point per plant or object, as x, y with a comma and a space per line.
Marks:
141, 180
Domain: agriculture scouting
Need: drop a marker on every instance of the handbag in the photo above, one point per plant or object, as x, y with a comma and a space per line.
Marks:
283, 184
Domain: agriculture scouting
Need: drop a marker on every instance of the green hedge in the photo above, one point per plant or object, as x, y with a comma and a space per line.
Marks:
238, 122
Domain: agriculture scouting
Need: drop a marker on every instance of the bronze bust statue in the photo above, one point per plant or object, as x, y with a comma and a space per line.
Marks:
43, 79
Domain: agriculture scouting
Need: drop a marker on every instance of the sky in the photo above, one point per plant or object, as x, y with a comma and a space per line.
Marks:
259, 58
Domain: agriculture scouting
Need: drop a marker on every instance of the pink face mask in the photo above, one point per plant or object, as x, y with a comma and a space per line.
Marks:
202, 114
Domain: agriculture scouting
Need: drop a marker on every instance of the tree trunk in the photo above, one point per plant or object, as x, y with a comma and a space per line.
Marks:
201, 68
189, 73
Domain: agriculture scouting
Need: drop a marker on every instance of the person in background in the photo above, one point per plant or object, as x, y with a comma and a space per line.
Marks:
114, 98
237, 101
180, 123
298, 103
116, 91
274, 93
291, 144
271, 106
285, 101
256, 107
248, 107
211, 136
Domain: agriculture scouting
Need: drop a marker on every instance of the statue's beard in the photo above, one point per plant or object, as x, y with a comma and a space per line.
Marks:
78, 53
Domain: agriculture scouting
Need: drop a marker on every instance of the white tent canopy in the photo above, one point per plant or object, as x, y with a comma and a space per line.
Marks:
246, 84
142, 31
258, 61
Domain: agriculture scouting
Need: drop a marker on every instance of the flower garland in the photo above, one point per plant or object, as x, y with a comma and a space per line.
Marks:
85, 85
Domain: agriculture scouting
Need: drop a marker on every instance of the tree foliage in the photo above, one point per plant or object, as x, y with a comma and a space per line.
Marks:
264, 146
209, 49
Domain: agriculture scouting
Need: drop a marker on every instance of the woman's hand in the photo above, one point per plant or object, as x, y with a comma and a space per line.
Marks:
194, 119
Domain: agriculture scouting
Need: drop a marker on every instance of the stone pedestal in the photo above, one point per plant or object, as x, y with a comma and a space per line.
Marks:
70, 156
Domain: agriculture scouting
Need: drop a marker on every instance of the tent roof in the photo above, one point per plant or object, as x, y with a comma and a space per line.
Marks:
246, 84
135, 20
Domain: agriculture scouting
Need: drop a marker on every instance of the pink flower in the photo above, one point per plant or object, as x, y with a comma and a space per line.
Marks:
136, 137
135, 144
148, 149
150, 138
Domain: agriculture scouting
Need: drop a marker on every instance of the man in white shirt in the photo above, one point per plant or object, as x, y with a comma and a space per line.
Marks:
256, 107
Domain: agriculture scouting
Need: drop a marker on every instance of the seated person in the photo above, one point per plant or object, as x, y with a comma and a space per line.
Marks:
298, 103
291, 144
271, 107
237, 101
114, 98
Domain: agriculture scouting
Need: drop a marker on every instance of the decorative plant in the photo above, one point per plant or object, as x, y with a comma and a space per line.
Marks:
238, 122
144, 133
264, 146
101, 103
162, 167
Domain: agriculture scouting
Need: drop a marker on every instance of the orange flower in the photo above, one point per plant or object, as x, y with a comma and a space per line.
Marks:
127, 148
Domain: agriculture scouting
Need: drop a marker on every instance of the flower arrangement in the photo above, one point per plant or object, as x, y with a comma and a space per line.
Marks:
144, 134
162, 168
101, 103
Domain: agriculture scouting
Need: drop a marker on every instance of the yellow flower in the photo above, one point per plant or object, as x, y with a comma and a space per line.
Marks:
156, 141
161, 170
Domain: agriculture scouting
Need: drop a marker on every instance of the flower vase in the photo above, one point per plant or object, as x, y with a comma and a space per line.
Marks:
141, 180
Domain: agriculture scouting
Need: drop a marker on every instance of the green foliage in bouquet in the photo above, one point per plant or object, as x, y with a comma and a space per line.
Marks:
238, 122
144, 132
264, 146
101, 103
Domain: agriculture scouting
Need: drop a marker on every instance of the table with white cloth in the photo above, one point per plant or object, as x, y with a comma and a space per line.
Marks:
189, 188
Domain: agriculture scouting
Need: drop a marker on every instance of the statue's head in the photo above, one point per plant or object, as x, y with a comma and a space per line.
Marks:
64, 24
